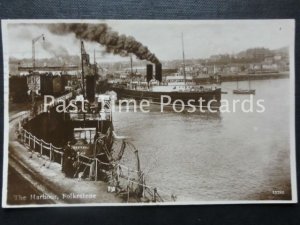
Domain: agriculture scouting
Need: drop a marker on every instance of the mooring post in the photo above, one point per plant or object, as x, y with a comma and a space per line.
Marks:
96, 172
154, 194
143, 180
118, 172
19, 126
61, 158
29, 140
127, 193
24, 136
128, 185
50, 151
34, 143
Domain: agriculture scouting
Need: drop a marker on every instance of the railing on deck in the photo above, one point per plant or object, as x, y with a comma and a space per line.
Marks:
40, 147
55, 154
128, 175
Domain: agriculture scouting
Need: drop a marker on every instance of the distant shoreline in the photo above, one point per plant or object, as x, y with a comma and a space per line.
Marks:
230, 78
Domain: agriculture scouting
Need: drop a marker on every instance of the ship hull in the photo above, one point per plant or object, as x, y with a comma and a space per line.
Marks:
212, 97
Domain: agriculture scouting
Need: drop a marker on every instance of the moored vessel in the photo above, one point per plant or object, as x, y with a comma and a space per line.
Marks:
76, 132
248, 91
178, 87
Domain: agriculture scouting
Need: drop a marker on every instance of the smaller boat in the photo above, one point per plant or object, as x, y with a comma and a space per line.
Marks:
244, 92
240, 91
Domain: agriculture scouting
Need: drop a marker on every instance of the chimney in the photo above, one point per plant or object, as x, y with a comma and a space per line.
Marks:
158, 72
149, 72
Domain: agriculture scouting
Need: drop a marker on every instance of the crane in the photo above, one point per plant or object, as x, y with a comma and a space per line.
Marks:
34, 81
33, 48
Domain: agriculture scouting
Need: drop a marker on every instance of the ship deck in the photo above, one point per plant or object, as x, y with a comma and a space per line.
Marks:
49, 179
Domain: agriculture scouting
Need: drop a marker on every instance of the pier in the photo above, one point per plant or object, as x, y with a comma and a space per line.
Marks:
40, 164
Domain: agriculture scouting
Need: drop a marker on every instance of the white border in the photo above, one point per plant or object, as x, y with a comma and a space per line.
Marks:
6, 117
293, 168
291, 22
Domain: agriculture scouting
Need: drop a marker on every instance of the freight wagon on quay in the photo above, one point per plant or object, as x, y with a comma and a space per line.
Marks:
46, 80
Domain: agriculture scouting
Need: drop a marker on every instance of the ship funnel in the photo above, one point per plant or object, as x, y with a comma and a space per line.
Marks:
149, 72
158, 72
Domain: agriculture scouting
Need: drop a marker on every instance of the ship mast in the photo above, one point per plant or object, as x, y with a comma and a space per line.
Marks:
95, 66
183, 61
82, 68
249, 82
131, 70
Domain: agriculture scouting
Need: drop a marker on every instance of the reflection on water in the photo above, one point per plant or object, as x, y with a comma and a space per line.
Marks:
222, 156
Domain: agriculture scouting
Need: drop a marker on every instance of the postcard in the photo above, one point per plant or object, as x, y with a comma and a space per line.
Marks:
148, 112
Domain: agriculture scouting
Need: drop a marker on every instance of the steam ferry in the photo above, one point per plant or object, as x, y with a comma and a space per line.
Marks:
177, 87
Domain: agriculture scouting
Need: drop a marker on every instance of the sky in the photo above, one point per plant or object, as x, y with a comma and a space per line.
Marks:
202, 38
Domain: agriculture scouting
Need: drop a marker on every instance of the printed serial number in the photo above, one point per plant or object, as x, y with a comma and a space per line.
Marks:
278, 192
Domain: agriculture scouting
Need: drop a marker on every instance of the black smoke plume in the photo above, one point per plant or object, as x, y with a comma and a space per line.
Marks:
103, 34
54, 50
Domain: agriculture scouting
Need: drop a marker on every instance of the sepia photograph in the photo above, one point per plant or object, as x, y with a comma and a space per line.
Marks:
148, 112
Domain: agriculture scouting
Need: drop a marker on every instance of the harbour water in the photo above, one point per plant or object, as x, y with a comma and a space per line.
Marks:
217, 156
